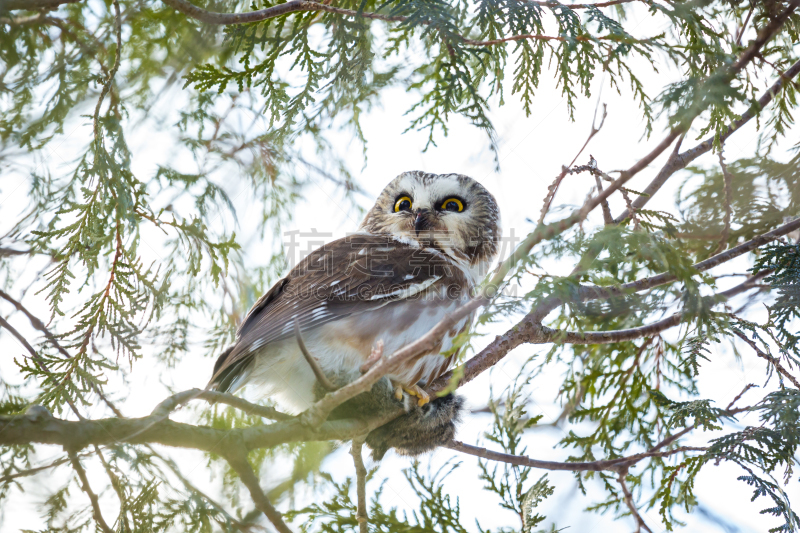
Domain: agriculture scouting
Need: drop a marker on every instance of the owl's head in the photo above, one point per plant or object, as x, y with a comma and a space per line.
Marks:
450, 212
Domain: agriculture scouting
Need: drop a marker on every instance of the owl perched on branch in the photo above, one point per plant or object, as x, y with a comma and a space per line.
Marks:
418, 255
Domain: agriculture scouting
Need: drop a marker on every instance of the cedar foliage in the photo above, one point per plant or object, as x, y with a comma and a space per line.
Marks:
99, 67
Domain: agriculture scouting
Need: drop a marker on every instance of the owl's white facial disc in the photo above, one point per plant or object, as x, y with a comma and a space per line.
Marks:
450, 212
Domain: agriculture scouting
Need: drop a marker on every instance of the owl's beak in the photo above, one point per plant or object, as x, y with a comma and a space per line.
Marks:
421, 221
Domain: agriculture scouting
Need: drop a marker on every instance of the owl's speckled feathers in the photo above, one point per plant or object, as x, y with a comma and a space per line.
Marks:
418, 255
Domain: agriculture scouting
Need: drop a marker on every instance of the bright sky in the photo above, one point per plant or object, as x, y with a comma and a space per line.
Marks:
532, 151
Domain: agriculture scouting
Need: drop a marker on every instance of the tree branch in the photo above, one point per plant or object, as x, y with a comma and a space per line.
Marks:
98, 516
630, 503
294, 6
361, 485
33, 5
680, 161
181, 398
318, 373
727, 190
612, 465
774, 360
238, 461
530, 326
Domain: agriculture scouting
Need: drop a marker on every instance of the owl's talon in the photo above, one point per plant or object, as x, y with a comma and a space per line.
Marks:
419, 392
398, 393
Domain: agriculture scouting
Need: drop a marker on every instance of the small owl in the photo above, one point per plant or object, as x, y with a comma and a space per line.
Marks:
417, 256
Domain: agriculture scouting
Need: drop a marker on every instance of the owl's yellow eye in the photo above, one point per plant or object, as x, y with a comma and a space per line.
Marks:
402, 204
453, 204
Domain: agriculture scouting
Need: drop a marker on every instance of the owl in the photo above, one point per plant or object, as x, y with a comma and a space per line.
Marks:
418, 255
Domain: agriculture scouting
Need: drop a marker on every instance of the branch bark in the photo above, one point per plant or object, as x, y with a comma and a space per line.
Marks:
33, 5
361, 485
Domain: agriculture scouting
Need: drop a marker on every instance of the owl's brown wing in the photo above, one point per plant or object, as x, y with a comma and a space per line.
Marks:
352, 275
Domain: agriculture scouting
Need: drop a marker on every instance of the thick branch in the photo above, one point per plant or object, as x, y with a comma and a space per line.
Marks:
33, 5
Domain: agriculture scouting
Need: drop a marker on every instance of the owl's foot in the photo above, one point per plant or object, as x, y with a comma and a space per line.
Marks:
417, 391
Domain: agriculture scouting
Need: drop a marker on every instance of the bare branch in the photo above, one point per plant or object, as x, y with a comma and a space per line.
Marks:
612, 465
361, 485
5, 252
318, 373
293, 6
4, 324
580, 6
630, 503
98, 516
728, 193
238, 461
680, 161
774, 360
35, 322
608, 219
181, 398
35, 470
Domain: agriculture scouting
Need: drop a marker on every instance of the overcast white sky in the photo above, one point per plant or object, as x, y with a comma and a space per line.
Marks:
532, 151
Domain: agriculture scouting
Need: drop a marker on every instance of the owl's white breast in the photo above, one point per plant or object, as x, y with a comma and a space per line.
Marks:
280, 372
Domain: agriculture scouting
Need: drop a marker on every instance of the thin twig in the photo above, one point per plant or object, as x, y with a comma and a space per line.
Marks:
680, 160
110, 80
318, 412
171, 403
612, 465
85, 487
608, 218
318, 373
640, 523
244, 528
33, 5
740, 33
553, 188
774, 360
361, 485
728, 194
238, 461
